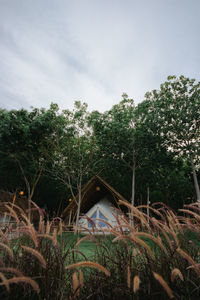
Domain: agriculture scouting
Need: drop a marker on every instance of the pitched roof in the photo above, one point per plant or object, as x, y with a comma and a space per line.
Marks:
92, 192
6, 196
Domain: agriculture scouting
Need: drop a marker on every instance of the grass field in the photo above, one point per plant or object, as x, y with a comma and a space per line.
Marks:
159, 259
87, 247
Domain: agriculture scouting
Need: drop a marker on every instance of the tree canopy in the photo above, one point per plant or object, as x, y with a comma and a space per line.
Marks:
153, 147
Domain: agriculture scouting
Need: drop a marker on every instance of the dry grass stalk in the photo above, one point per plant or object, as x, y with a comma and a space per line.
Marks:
134, 252
189, 259
192, 206
24, 279
195, 266
128, 277
135, 210
7, 248
13, 205
136, 283
161, 228
87, 237
152, 209
153, 238
105, 222
48, 227
4, 281
50, 237
172, 232
121, 237
41, 225
125, 223
4, 237
171, 223
75, 283
36, 254
115, 231
129, 205
141, 217
81, 278
176, 272
12, 213
26, 219
122, 227
164, 284
33, 234
79, 252
187, 211
60, 230
177, 222
144, 221
55, 236
142, 243
89, 264
40, 210
11, 270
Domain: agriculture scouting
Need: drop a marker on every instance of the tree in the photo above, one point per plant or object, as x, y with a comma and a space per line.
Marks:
25, 141
120, 146
74, 152
173, 112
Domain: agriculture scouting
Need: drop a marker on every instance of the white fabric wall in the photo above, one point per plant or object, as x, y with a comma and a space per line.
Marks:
105, 207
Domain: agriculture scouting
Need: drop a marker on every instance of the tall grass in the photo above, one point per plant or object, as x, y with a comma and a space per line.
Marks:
158, 257
38, 263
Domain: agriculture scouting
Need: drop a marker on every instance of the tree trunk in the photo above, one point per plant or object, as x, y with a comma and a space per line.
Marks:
148, 203
133, 186
78, 209
133, 180
195, 179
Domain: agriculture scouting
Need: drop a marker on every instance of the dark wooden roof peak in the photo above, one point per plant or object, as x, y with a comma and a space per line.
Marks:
90, 195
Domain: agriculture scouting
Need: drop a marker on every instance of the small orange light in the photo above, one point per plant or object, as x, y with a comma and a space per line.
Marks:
98, 188
70, 200
21, 193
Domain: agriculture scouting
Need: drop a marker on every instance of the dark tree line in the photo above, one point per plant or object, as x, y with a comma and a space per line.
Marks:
150, 150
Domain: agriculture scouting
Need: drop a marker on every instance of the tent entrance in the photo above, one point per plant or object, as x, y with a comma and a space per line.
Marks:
98, 214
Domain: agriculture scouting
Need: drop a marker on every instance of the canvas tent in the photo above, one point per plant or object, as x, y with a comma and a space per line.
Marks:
99, 201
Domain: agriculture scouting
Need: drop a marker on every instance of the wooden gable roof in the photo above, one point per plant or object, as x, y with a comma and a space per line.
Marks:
92, 192
7, 197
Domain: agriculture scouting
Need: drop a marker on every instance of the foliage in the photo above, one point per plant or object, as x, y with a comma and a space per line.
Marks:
52, 154
173, 113
25, 141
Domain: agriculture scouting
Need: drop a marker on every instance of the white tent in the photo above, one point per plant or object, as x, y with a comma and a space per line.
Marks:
98, 206
100, 215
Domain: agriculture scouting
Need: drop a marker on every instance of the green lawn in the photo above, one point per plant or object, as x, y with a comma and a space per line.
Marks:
87, 247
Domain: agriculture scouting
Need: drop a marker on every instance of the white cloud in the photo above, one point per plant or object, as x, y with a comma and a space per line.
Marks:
93, 50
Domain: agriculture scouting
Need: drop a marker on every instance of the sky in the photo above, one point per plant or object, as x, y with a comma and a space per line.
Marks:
93, 51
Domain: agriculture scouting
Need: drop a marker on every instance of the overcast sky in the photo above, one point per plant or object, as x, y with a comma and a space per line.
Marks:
94, 50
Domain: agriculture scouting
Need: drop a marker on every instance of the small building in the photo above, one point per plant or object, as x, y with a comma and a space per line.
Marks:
7, 198
19, 203
98, 206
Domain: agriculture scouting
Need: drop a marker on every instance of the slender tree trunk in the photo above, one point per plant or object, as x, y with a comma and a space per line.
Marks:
70, 217
195, 179
133, 186
148, 203
133, 180
78, 209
